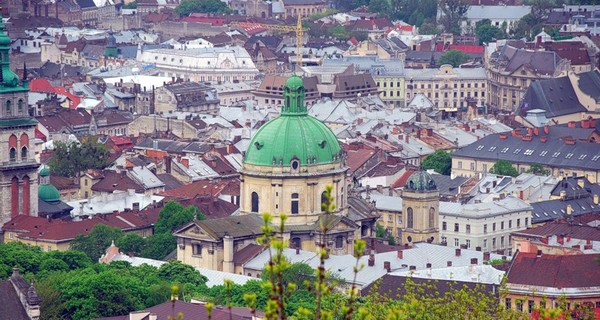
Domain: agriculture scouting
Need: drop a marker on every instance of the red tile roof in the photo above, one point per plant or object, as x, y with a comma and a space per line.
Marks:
44, 86
38, 228
555, 271
357, 157
401, 181
113, 181
248, 252
214, 21
198, 188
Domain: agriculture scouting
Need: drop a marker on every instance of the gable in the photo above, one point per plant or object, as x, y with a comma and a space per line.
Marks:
195, 231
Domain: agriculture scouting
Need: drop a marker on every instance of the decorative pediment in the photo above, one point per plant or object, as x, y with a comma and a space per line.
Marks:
194, 231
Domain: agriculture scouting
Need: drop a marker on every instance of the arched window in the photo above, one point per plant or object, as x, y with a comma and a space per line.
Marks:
24, 140
295, 203
20, 106
409, 218
14, 196
24, 153
296, 243
323, 201
26, 195
432, 217
254, 202
8, 108
13, 154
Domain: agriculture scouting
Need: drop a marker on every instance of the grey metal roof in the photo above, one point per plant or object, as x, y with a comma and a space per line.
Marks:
555, 96
549, 210
553, 152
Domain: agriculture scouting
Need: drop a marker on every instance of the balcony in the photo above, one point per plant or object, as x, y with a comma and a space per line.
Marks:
18, 165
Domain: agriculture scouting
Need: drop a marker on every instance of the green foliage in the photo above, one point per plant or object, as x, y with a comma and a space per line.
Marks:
174, 215
429, 28
440, 161
504, 168
391, 240
201, 6
316, 16
175, 271
131, 243
538, 169
453, 13
454, 58
381, 7
130, 5
414, 12
70, 159
339, 32
17, 254
486, 32
95, 243
379, 231
159, 246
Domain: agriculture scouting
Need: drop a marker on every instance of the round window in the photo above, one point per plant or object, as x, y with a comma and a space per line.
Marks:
295, 164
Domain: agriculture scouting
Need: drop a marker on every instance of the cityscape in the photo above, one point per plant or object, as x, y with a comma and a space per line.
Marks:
299, 159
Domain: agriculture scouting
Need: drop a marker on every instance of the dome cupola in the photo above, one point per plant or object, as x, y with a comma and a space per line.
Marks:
420, 181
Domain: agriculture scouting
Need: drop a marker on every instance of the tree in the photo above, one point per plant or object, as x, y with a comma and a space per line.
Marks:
131, 243
504, 168
440, 161
429, 29
174, 215
391, 240
95, 243
381, 7
486, 32
538, 169
379, 231
159, 246
453, 13
203, 6
70, 160
454, 58
339, 32
177, 272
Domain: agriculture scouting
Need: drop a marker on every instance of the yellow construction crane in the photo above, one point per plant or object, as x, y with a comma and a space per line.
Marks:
298, 29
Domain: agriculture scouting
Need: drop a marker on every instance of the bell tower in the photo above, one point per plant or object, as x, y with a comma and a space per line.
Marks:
18, 167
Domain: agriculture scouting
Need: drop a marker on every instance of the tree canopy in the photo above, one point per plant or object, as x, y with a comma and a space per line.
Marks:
453, 13
201, 6
440, 161
94, 244
71, 159
504, 168
454, 58
486, 32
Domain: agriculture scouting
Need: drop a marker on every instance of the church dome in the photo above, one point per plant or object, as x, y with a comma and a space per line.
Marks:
420, 181
294, 138
48, 193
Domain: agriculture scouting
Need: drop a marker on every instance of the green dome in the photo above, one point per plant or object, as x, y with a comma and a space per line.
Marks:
285, 138
420, 181
294, 135
44, 172
48, 193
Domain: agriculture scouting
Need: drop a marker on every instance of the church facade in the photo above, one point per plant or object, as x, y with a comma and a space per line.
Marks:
18, 168
290, 162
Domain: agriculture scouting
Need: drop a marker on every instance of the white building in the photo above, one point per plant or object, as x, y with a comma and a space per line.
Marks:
486, 225
501, 16
203, 64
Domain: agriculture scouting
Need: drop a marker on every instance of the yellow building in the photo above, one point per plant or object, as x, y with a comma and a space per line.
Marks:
289, 164
420, 214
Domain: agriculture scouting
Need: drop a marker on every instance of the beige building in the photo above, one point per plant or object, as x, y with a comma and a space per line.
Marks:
511, 71
304, 8
448, 88
290, 163
185, 97
420, 209
382, 48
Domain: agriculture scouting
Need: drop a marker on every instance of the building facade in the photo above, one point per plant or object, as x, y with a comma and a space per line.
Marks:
186, 97
420, 214
486, 226
447, 88
18, 167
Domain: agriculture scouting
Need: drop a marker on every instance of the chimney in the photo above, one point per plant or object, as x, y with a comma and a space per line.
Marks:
569, 210
400, 254
560, 239
486, 256
412, 268
581, 183
474, 261
297, 250
571, 124
539, 253
15, 272
544, 240
457, 252
546, 129
387, 266
543, 139
503, 136
585, 124
536, 131
185, 162
521, 194
595, 199
449, 263
371, 260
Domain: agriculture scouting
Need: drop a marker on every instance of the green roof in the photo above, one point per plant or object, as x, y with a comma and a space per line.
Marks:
48, 193
18, 122
293, 135
420, 181
44, 172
